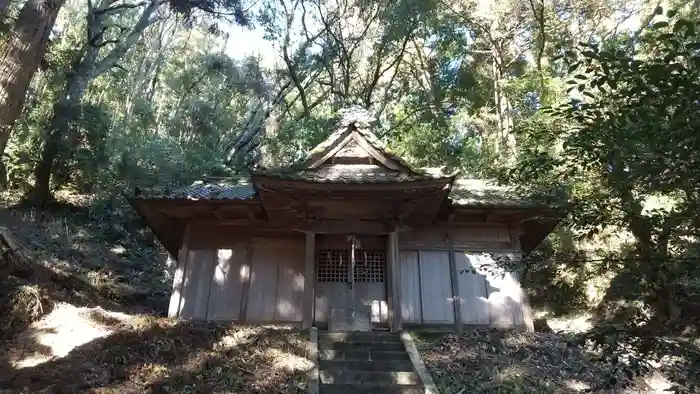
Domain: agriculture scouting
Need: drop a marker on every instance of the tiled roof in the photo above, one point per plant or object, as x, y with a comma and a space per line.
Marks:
211, 189
479, 192
465, 192
355, 174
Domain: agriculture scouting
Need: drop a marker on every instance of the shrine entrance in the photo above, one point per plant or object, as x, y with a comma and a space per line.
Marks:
351, 274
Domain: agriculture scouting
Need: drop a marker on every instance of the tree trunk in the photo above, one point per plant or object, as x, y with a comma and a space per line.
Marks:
64, 111
20, 57
505, 145
88, 67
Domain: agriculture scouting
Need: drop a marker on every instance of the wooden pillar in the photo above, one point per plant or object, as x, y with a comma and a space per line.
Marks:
528, 317
179, 277
395, 318
454, 279
309, 280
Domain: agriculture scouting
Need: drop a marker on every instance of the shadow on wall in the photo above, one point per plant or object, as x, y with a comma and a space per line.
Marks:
165, 356
221, 284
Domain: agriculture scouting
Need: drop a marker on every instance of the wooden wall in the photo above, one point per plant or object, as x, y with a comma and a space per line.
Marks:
482, 237
426, 287
486, 294
256, 280
261, 279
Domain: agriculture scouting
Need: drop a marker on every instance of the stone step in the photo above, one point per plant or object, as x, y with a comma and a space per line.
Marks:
357, 336
374, 377
389, 366
363, 355
357, 345
370, 389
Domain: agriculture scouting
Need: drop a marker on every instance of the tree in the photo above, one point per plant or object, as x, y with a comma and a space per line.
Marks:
90, 63
630, 143
20, 57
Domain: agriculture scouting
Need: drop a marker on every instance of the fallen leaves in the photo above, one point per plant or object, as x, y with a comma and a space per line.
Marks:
497, 361
177, 357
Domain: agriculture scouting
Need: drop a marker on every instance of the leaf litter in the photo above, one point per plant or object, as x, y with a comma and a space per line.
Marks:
143, 354
508, 361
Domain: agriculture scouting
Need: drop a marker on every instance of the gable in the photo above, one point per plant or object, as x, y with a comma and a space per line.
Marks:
350, 154
353, 147
351, 150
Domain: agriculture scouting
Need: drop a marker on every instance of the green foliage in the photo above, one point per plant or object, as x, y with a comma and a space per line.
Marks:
151, 161
294, 139
627, 154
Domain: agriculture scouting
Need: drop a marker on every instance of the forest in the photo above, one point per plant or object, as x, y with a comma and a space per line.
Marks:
595, 101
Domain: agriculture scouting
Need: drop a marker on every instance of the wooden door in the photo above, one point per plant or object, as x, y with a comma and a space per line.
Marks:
351, 284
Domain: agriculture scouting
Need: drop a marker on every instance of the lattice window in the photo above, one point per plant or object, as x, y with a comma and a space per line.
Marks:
369, 265
332, 265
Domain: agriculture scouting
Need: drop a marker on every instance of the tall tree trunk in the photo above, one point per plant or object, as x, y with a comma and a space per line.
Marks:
86, 68
505, 144
20, 57
64, 111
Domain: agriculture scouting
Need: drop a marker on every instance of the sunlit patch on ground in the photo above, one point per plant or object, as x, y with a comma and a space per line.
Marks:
79, 349
575, 324
58, 333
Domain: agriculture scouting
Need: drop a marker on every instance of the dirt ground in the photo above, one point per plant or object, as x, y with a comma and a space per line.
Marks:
499, 361
90, 350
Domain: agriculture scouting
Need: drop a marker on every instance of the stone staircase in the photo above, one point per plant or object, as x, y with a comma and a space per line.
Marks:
367, 363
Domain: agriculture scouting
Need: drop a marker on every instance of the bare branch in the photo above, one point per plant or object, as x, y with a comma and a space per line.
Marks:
378, 74
104, 43
364, 33
385, 101
408, 116
254, 124
119, 7
291, 67
540, 17
344, 59
123, 46
318, 101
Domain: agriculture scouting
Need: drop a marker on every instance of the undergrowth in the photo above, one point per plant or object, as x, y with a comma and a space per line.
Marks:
83, 292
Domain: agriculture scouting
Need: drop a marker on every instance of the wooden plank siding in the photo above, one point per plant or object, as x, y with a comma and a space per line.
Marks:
260, 280
473, 294
436, 288
179, 276
445, 266
488, 237
438, 278
195, 290
277, 281
411, 304
333, 295
227, 285
454, 281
